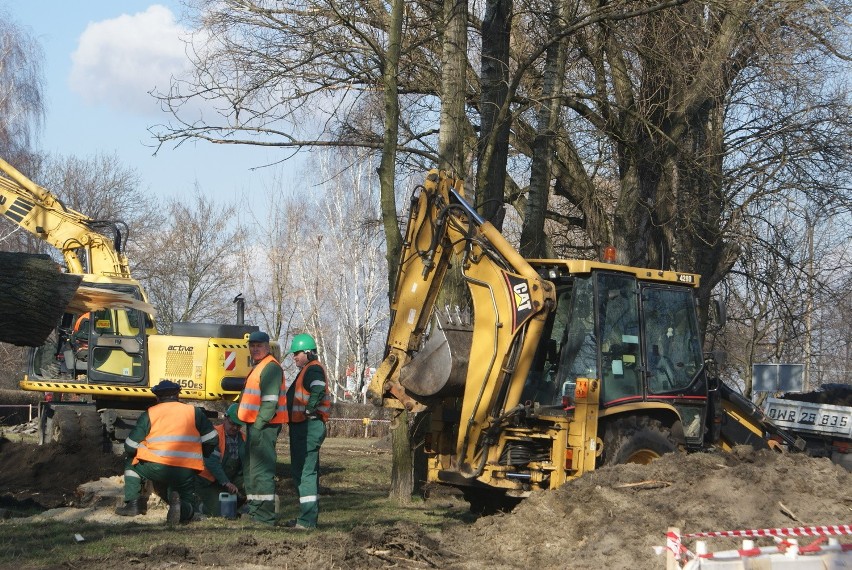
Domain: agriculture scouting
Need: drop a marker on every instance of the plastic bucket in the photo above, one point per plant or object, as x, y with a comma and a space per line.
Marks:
228, 505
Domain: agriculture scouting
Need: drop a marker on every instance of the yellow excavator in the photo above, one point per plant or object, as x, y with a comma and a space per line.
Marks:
98, 366
556, 367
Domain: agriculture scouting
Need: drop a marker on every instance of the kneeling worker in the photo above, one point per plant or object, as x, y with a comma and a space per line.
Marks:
167, 447
224, 468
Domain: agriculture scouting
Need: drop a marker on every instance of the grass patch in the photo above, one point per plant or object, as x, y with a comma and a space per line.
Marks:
355, 484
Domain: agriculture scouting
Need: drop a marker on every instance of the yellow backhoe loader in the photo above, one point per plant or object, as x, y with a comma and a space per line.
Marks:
558, 366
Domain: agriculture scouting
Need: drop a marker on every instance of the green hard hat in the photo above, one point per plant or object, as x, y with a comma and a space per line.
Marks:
303, 342
232, 415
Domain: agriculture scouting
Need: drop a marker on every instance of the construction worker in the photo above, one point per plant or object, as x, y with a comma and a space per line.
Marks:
80, 335
262, 406
223, 470
308, 407
167, 447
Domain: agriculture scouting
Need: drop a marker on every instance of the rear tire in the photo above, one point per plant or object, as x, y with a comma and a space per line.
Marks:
63, 428
636, 440
92, 430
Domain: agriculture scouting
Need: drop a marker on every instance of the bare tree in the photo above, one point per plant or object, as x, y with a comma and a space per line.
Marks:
789, 307
21, 115
493, 146
273, 223
21, 93
533, 241
390, 141
353, 242
191, 270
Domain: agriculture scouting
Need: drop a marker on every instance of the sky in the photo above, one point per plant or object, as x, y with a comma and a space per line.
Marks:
101, 58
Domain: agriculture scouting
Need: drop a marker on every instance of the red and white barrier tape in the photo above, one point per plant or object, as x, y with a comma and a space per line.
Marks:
674, 545
782, 532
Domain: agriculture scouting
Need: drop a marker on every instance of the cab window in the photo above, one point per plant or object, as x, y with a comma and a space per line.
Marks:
672, 349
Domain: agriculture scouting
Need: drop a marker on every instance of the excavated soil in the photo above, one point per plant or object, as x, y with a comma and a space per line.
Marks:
611, 518
49, 476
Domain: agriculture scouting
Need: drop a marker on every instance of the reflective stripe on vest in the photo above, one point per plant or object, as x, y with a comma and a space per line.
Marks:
251, 398
301, 396
173, 438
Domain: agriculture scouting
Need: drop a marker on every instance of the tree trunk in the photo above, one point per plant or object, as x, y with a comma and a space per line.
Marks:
402, 471
33, 295
494, 135
453, 88
387, 166
533, 239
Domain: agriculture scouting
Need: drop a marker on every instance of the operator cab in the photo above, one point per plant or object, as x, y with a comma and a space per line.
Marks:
106, 346
638, 337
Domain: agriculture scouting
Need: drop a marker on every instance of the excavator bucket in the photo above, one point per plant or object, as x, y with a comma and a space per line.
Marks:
440, 367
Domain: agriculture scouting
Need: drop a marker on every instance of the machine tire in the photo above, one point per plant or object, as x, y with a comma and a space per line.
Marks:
63, 427
636, 440
92, 429
43, 435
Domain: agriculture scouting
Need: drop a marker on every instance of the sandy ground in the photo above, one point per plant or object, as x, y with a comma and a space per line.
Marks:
611, 518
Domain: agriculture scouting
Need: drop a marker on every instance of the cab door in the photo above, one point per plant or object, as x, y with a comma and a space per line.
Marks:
118, 345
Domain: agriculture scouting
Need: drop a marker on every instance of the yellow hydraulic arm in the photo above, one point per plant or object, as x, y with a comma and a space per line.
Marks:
40, 212
510, 304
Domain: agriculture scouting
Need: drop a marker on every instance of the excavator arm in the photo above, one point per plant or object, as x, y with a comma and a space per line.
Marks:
41, 213
425, 358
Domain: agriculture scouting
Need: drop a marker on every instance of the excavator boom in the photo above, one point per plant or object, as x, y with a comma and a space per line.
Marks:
41, 213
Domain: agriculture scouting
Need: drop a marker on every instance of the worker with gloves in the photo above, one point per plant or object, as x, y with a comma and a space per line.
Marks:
262, 406
223, 470
167, 447
308, 407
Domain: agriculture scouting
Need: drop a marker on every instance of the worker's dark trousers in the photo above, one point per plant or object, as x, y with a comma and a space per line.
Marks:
305, 441
259, 472
180, 479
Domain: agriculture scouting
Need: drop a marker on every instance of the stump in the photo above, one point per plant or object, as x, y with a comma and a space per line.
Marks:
34, 293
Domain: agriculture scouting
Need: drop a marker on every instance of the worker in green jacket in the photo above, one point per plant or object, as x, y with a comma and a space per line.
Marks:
262, 407
167, 447
308, 408
223, 470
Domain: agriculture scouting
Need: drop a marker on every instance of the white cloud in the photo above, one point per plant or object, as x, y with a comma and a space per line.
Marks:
118, 61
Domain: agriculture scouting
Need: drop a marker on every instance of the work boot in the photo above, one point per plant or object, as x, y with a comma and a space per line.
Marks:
173, 517
187, 513
129, 509
143, 505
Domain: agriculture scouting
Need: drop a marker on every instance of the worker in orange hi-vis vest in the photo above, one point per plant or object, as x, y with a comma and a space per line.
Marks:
308, 408
167, 447
262, 407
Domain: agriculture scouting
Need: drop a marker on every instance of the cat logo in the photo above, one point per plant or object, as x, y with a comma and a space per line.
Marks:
522, 296
519, 291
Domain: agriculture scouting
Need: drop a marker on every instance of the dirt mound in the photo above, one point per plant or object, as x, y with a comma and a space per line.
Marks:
613, 518
49, 475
